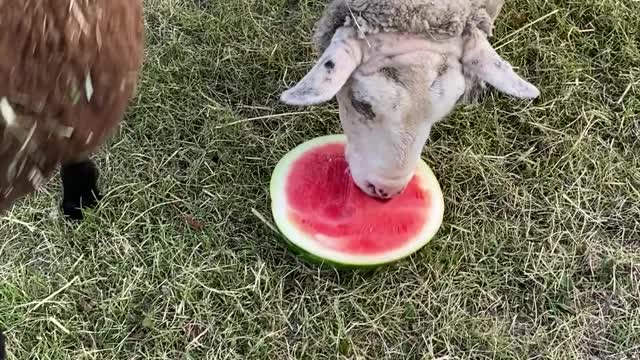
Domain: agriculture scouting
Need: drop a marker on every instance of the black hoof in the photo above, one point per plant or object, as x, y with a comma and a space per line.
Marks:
2, 349
79, 189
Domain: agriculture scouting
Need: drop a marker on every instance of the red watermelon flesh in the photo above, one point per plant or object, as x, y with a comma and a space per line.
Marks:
324, 201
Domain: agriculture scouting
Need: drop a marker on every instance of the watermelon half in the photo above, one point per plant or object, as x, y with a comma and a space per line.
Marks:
326, 218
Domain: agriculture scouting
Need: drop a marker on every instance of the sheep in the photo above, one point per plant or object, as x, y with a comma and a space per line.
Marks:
68, 72
396, 68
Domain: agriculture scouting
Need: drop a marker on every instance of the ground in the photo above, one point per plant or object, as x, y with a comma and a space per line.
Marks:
538, 256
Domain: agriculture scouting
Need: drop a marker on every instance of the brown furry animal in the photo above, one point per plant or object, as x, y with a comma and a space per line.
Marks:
68, 69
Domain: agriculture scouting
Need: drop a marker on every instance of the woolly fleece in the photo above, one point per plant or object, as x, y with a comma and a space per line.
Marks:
439, 19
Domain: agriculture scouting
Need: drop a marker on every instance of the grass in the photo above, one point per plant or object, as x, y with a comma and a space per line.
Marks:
538, 257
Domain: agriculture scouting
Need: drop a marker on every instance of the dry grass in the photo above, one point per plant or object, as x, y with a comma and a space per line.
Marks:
539, 255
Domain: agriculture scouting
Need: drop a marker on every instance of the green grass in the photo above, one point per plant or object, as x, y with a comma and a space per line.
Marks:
538, 257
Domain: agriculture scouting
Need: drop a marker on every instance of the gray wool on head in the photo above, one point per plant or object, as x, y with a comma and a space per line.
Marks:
438, 19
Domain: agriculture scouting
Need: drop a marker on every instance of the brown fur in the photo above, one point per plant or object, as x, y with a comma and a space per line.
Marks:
47, 48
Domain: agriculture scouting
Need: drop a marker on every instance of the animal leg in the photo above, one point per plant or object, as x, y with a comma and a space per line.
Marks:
79, 187
2, 350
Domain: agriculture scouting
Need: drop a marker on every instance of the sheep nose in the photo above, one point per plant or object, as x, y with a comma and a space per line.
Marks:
383, 192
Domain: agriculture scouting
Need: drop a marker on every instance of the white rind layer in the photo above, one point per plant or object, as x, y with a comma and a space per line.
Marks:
306, 243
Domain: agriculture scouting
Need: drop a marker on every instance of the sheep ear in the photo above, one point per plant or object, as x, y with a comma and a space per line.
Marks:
330, 72
481, 60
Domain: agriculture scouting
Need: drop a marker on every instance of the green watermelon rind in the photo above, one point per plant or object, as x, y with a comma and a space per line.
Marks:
289, 232
313, 259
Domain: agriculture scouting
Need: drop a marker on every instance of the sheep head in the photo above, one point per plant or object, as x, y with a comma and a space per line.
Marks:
392, 87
